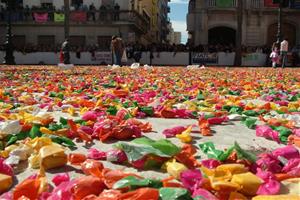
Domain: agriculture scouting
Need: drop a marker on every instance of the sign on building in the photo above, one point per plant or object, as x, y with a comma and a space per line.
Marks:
102, 57
205, 58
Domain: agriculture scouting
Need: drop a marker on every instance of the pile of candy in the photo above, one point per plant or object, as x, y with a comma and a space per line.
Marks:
46, 113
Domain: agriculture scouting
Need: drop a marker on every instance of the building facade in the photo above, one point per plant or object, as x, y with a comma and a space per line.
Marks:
92, 22
177, 38
210, 22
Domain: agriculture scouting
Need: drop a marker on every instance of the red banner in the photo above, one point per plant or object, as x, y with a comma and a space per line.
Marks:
268, 3
41, 17
78, 16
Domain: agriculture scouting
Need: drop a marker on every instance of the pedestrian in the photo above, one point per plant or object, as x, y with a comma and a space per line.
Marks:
274, 55
275, 58
103, 12
116, 12
66, 51
92, 10
117, 48
284, 48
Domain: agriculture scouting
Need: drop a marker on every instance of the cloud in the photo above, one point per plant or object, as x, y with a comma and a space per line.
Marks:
179, 2
180, 26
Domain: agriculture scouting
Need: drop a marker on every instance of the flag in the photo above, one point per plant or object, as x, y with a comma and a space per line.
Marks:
269, 3
78, 16
224, 3
41, 17
59, 17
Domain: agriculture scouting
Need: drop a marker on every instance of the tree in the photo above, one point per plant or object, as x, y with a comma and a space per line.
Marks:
239, 35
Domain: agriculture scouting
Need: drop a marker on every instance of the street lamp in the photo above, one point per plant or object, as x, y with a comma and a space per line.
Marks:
9, 58
282, 4
190, 36
279, 25
67, 18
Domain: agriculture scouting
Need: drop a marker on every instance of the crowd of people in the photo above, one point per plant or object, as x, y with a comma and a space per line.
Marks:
29, 48
21, 13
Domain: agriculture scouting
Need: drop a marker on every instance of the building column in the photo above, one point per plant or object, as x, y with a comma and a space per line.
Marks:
201, 28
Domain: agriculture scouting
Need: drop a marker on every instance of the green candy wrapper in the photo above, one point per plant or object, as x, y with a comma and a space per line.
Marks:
134, 183
174, 194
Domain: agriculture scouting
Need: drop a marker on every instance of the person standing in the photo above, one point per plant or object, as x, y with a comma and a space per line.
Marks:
92, 12
65, 48
116, 12
117, 48
284, 48
103, 12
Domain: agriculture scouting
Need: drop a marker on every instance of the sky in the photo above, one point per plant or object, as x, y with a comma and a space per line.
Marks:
179, 9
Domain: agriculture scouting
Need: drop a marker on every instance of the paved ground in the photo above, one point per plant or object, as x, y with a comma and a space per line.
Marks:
224, 136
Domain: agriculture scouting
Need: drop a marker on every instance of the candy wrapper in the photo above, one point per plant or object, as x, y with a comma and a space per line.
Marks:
267, 132
191, 179
173, 194
52, 156
60, 178
116, 156
86, 186
10, 128
133, 183
174, 168
5, 168
145, 146
96, 154
172, 132
6, 182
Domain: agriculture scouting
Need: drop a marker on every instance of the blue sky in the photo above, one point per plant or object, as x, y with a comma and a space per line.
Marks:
179, 9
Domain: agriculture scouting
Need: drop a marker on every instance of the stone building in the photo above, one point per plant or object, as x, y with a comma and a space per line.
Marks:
158, 11
92, 22
209, 23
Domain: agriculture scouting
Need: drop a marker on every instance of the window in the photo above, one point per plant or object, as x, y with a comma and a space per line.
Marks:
46, 40
77, 41
47, 4
76, 3
19, 41
104, 42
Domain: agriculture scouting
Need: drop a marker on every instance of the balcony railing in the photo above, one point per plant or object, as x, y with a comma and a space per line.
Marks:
255, 4
79, 17
249, 4
213, 4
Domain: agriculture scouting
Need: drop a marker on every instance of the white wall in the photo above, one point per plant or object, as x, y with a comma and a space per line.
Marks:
226, 58
254, 59
168, 58
165, 58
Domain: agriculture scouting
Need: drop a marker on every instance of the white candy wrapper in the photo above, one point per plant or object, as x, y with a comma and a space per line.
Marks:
10, 127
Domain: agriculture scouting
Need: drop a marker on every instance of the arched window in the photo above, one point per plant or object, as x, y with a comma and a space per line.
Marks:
192, 5
221, 35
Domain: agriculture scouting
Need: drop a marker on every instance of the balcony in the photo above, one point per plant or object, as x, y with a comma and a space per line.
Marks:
213, 4
82, 18
255, 4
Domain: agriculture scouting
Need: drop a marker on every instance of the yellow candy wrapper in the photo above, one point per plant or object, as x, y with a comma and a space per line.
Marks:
52, 156
276, 197
248, 182
5, 182
175, 168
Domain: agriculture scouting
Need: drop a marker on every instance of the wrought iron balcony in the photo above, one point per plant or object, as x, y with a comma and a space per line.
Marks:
91, 18
213, 4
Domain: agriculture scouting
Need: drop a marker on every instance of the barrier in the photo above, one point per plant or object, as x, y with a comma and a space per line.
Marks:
254, 59
162, 58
